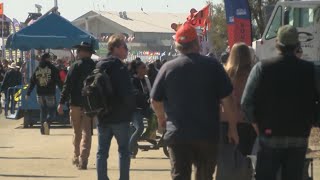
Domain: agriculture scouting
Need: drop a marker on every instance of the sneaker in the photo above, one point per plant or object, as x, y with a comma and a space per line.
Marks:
75, 161
82, 165
46, 128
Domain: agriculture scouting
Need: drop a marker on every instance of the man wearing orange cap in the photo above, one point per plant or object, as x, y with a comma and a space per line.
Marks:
186, 96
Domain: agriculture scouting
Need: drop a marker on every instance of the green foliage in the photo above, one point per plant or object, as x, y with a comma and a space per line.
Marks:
218, 34
258, 17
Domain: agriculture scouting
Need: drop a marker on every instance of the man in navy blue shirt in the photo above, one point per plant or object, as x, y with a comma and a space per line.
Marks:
186, 97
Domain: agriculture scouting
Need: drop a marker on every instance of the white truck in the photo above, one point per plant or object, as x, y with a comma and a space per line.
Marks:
305, 16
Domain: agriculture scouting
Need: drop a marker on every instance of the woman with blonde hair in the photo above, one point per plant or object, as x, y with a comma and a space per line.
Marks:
232, 161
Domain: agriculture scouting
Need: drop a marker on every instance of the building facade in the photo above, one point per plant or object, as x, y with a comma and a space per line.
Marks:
149, 35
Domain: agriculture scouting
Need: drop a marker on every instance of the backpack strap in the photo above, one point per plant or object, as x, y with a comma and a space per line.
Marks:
106, 65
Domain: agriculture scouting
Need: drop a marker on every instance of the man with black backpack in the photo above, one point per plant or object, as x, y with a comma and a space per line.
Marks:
117, 122
81, 123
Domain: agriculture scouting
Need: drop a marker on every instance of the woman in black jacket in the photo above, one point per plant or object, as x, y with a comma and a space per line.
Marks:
142, 88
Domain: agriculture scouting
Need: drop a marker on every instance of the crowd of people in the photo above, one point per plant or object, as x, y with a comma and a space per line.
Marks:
275, 99
15, 73
215, 113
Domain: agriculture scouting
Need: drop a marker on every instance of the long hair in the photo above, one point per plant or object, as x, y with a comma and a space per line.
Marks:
134, 65
239, 62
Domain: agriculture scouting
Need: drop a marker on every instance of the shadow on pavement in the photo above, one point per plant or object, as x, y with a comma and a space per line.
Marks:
28, 158
36, 126
3, 147
156, 170
152, 158
138, 170
61, 135
34, 176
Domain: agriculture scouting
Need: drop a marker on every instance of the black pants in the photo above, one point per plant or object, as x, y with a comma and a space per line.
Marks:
202, 155
290, 160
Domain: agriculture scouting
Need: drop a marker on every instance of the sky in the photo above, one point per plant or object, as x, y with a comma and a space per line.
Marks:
72, 9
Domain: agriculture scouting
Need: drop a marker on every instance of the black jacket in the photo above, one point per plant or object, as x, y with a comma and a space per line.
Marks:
123, 103
141, 92
285, 97
12, 78
46, 78
73, 85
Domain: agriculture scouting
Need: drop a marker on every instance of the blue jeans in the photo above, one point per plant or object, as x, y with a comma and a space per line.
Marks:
47, 109
290, 160
105, 135
139, 127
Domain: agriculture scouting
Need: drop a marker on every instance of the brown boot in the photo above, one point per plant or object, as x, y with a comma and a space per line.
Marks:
83, 165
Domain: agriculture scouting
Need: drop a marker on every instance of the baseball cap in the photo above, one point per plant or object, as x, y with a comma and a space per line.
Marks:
288, 36
186, 33
85, 46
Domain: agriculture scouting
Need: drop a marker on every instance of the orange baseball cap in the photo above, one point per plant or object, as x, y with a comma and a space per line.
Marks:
186, 33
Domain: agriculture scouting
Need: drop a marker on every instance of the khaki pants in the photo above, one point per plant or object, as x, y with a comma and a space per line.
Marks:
82, 125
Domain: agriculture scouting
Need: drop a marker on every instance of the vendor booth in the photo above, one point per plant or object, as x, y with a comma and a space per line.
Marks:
51, 31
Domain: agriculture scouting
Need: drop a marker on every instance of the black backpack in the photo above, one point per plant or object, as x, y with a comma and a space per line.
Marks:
97, 93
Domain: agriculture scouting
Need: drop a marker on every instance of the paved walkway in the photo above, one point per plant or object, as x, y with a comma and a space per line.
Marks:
27, 155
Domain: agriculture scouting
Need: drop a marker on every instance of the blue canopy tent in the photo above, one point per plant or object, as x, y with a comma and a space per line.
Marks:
50, 32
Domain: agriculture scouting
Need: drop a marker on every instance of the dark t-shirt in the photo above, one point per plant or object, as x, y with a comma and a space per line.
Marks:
191, 87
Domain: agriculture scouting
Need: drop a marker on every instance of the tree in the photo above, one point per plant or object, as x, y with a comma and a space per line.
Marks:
258, 16
218, 31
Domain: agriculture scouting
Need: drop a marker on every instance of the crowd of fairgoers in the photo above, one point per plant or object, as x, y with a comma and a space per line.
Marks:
211, 111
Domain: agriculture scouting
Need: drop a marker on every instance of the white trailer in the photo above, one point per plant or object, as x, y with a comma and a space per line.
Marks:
305, 16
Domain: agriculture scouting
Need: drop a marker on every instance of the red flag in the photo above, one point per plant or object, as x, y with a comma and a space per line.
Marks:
199, 18
1, 8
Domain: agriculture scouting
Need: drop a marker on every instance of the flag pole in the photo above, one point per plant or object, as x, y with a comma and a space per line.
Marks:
206, 29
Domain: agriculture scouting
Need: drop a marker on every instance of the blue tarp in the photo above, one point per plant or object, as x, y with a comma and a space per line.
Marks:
50, 32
